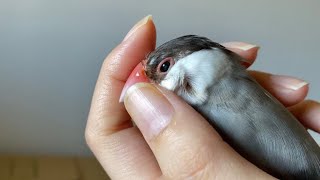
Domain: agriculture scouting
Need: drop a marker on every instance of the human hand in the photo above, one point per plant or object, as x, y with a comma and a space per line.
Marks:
171, 140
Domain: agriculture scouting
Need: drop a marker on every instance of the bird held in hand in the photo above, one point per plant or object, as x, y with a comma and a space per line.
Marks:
213, 80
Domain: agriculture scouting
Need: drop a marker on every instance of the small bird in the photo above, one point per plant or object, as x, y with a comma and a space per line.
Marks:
213, 81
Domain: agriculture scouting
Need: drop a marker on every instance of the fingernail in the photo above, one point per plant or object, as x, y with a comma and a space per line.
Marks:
288, 82
149, 108
137, 26
240, 45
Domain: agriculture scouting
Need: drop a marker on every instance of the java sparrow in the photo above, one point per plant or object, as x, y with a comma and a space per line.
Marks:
212, 79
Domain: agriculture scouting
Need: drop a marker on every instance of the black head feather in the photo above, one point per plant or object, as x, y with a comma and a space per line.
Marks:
177, 49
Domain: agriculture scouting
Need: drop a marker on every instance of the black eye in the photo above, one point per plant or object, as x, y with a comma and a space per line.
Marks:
165, 66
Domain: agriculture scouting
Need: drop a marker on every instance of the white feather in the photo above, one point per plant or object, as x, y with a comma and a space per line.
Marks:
202, 68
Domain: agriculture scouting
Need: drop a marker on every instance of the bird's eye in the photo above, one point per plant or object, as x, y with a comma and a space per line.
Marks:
165, 65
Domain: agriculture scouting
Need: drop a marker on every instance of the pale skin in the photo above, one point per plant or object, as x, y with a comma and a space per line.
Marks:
184, 147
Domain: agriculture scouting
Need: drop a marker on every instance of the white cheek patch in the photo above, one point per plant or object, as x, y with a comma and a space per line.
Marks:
169, 84
202, 68
173, 79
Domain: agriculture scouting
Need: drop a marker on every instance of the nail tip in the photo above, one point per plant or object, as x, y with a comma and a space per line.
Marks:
248, 47
146, 19
289, 82
123, 92
121, 99
140, 23
149, 17
241, 45
300, 85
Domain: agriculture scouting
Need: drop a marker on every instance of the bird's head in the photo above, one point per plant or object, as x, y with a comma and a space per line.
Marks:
187, 65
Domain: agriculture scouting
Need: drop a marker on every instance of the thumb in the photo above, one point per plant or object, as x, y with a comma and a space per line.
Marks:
148, 108
183, 142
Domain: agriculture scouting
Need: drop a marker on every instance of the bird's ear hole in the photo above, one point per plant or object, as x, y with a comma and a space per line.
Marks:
187, 85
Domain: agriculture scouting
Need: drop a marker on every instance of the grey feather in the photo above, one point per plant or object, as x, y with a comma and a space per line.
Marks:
251, 120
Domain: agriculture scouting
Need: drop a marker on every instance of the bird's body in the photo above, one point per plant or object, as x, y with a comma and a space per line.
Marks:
212, 80
256, 125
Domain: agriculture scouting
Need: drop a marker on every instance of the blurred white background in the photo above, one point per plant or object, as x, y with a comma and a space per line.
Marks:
51, 52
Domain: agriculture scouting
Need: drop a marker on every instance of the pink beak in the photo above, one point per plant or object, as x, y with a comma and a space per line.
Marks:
137, 75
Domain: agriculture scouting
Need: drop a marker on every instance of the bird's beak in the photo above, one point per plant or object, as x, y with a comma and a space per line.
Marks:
137, 76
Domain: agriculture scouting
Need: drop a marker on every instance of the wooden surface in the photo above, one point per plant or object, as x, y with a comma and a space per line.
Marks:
50, 168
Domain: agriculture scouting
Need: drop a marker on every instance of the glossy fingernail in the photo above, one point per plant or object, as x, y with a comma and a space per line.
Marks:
240, 45
288, 82
137, 26
149, 109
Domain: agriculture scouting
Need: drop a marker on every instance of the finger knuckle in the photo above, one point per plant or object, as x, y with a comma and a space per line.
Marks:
90, 137
190, 164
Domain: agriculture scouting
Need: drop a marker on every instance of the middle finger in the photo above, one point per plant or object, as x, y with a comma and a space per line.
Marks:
288, 90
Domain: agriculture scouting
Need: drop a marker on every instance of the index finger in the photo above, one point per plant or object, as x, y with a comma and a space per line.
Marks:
247, 51
120, 147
